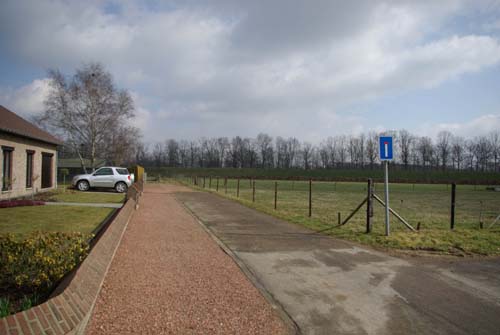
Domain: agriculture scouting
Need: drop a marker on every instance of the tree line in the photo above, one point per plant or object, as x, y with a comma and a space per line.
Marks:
411, 151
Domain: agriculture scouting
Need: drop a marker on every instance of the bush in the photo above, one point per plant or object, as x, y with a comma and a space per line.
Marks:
35, 264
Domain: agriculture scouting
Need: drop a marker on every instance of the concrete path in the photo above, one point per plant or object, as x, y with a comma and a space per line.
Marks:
84, 204
170, 277
329, 286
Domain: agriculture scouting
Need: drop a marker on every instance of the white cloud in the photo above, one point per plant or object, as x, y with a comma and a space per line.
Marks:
26, 100
481, 125
215, 68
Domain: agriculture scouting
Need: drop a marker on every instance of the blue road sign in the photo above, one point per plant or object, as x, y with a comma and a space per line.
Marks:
386, 148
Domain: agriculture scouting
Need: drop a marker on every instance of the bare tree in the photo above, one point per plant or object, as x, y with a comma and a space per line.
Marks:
86, 109
443, 146
371, 149
425, 150
341, 146
457, 151
494, 138
158, 154
264, 143
307, 151
172, 152
484, 152
404, 141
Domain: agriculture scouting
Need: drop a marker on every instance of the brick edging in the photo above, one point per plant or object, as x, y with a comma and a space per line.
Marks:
69, 312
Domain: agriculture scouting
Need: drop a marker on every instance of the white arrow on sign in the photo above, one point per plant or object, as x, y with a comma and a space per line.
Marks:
386, 149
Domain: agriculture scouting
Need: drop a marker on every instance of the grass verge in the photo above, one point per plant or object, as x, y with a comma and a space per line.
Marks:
21, 221
66, 194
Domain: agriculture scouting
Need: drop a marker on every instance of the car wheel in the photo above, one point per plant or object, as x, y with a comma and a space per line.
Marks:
83, 185
121, 187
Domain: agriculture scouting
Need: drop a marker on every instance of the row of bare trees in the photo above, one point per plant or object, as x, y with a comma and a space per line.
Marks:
447, 151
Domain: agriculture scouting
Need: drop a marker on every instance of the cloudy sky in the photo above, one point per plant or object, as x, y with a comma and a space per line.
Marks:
308, 69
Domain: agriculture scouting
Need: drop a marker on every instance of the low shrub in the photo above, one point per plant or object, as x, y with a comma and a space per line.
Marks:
32, 266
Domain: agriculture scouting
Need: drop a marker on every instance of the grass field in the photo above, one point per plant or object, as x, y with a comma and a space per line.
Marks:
65, 194
398, 174
24, 220
424, 203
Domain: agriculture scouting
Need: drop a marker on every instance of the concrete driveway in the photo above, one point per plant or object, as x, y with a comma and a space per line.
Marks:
329, 286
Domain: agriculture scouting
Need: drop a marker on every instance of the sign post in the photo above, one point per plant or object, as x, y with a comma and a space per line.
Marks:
386, 156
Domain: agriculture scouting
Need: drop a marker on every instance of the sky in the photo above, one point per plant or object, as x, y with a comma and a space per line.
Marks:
308, 69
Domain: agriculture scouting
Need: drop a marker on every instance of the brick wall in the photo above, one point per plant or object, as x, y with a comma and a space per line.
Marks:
21, 145
69, 311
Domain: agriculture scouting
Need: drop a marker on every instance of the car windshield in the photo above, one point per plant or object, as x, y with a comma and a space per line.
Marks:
122, 171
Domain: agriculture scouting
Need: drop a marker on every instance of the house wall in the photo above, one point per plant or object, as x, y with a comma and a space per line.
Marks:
21, 145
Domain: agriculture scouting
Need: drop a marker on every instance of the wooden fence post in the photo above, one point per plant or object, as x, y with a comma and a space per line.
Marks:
238, 188
217, 185
339, 218
203, 182
253, 192
452, 213
225, 185
210, 182
275, 195
369, 206
310, 197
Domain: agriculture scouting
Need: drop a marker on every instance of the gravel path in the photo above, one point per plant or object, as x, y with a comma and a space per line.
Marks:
169, 277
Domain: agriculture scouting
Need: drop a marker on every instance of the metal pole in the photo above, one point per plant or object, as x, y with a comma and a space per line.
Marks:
253, 192
386, 185
369, 206
310, 197
452, 214
275, 194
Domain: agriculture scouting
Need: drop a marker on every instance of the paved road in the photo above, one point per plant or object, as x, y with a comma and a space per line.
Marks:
169, 277
330, 286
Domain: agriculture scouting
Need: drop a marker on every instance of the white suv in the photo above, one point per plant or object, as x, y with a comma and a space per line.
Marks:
107, 177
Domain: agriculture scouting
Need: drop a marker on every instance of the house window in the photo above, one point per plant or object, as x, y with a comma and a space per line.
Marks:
7, 168
46, 170
29, 168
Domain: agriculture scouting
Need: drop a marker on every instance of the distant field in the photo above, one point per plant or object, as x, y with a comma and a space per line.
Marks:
397, 173
424, 203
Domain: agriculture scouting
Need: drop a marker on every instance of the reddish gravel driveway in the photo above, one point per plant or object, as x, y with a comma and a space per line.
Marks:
169, 277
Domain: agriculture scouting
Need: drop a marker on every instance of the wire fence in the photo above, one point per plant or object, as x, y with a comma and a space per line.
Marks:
427, 206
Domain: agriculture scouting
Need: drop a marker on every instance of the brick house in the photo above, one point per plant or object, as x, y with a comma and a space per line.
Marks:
28, 157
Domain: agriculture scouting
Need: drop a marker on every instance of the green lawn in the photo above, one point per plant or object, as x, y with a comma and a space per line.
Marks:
23, 220
424, 203
64, 194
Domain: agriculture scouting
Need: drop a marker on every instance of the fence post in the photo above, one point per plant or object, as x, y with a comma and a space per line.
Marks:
369, 206
253, 192
225, 185
452, 214
339, 218
275, 195
217, 185
238, 188
210, 182
310, 197
203, 181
